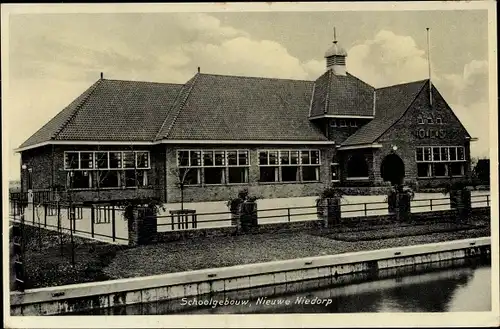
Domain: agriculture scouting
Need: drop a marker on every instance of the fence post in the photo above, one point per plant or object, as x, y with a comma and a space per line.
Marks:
487, 200
366, 214
92, 219
45, 215
172, 223
288, 214
113, 219
431, 203
71, 224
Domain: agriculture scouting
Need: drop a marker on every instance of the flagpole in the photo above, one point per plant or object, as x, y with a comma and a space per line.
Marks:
429, 64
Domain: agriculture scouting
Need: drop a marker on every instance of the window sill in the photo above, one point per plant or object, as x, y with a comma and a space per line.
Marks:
358, 178
296, 182
441, 177
111, 188
335, 180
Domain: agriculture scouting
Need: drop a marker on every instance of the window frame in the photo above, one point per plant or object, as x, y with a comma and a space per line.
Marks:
299, 165
225, 166
95, 172
447, 161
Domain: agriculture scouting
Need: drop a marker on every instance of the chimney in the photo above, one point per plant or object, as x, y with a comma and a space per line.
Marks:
102, 75
198, 69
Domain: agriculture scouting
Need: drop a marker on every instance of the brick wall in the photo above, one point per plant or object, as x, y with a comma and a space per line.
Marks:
47, 164
404, 135
264, 190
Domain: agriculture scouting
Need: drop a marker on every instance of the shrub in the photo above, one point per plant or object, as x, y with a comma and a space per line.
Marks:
243, 196
132, 204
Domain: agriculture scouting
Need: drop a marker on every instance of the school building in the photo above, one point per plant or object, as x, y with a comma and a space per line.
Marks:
218, 134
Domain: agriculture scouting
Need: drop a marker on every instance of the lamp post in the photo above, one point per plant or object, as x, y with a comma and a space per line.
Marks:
71, 213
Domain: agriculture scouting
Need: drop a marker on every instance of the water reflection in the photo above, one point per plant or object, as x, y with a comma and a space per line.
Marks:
460, 285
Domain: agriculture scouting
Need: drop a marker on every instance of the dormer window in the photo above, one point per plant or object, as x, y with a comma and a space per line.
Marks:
429, 120
353, 123
420, 120
343, 123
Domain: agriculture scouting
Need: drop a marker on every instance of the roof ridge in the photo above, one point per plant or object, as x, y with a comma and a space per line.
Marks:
404, 83
254, 77
327, 96
366, 83
181, 105
142, 81
75, 111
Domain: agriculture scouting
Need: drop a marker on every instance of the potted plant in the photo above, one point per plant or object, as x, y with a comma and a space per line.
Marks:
398, 194
399, 201
460, 195
141, 215
328, 205
243, 203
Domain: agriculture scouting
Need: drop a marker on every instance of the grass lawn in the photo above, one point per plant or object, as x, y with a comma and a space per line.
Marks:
246, 249
98, 261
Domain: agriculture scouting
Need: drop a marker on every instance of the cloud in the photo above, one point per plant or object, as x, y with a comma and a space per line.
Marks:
388, 59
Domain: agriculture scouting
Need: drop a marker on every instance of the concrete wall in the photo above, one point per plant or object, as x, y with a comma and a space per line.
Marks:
78, 297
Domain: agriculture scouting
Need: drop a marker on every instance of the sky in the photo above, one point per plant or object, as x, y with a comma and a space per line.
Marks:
53, 58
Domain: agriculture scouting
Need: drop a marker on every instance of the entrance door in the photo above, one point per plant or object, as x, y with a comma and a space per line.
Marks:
392, 169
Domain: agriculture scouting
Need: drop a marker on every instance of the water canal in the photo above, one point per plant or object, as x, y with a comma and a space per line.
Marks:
452, 286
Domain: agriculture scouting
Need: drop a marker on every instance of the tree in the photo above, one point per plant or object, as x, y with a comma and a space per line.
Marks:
482, 171
183, 179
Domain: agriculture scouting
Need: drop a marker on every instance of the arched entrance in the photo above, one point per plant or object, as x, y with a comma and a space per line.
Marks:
392, 169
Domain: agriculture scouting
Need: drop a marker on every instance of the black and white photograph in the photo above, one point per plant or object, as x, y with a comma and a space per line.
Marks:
301, 164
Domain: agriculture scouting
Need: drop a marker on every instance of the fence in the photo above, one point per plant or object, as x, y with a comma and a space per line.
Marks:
99, 222
105, 222
193, 221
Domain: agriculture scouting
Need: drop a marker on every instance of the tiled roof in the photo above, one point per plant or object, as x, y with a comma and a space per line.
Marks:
341, 95
219, 107
112, 110
391, 103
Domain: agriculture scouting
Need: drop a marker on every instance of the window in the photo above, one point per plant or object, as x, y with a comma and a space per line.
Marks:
357, 167
343, 123
107, 169
213, 166
333, 123
439, 121
268, 166
237, 166
420, 120
429, 120
109, 178
79, 179
293, 166
440, 161
310, 166
335, 170
189, 164
72, 160
353, 123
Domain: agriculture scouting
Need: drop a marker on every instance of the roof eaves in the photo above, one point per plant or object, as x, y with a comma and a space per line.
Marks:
75, 111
